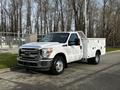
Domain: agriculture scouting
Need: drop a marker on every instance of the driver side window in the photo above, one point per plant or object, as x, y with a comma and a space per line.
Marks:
73, 39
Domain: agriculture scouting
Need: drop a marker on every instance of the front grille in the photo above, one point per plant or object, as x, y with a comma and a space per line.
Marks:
29, 54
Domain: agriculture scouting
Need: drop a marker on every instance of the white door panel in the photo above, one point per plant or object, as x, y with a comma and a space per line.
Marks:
74, 53
73, 49
69, 53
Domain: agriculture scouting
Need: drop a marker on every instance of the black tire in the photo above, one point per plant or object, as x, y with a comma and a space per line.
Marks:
95, 60
57, 65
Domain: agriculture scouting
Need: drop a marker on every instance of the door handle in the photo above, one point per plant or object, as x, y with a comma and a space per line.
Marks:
80, 47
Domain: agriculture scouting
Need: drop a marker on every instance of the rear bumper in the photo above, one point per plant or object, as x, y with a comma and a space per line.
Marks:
42, 64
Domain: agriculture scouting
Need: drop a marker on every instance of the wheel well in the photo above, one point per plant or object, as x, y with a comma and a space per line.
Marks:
63, 55
98, 52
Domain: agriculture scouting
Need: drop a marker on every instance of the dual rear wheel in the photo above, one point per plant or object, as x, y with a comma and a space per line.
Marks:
95, 60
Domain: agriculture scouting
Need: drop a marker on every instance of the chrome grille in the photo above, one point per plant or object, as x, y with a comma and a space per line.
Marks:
29, 54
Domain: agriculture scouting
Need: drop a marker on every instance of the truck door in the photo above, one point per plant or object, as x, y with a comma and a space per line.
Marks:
74, 46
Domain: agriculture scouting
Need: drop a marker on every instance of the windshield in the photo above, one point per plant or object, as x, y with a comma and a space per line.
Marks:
56, 37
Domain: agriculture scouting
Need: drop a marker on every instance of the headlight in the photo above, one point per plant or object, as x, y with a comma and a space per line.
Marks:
46, 52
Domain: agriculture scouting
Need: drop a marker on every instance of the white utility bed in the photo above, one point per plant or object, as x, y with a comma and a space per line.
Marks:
91, 45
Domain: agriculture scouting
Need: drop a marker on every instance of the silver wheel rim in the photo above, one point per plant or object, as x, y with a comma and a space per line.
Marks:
97, 58
59, 66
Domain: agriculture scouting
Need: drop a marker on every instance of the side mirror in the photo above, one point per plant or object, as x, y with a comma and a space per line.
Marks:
70, 43
77, 41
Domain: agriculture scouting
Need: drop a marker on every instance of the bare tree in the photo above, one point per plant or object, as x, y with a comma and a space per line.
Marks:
104, 6
62, 15
20, 2
75, 13
29, 28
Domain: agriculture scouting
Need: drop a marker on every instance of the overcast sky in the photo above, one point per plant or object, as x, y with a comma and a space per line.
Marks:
100, 2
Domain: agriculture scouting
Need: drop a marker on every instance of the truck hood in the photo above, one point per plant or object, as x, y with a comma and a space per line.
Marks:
39, 45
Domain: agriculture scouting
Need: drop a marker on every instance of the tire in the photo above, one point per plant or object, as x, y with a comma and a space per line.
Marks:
95, 60
57, 65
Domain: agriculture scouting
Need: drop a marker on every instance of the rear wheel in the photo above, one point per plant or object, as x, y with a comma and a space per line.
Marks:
57, 65
95, 60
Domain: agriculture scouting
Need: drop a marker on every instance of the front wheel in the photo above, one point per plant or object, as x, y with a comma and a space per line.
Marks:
57, 65
95, 60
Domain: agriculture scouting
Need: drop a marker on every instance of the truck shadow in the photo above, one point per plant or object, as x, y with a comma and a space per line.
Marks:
28, 71
37, 71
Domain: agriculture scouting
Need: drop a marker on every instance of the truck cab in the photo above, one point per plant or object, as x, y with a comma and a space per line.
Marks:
58, 49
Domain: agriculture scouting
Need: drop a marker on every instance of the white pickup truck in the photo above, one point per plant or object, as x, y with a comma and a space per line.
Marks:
58, 49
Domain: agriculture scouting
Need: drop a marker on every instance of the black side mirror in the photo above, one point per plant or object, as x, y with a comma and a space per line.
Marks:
70, 43
77, 41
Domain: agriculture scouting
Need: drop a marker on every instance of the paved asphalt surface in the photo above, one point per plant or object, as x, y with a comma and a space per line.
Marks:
78, 76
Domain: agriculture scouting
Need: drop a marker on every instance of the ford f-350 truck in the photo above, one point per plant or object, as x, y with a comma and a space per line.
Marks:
58, 49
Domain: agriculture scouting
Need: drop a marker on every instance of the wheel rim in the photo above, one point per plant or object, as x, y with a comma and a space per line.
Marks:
59, 66
97, 58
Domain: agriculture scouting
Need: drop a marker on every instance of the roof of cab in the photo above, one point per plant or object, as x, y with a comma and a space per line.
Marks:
66, 32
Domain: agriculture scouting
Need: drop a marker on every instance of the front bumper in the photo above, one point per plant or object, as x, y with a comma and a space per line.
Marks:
41, 64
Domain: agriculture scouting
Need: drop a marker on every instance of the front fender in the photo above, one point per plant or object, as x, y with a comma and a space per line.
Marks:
57, 51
